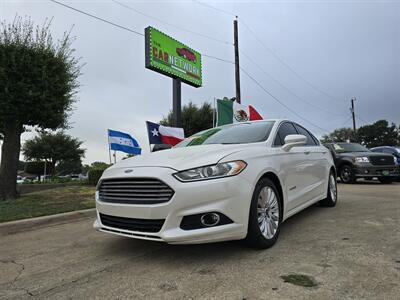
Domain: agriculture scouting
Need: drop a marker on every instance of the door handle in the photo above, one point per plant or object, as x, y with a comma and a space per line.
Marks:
306, 152
323, 152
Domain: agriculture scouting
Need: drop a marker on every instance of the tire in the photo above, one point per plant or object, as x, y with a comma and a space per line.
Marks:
385, 180
331, 199
346, 174
266, 206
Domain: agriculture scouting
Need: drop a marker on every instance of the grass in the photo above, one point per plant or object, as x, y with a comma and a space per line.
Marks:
48, 202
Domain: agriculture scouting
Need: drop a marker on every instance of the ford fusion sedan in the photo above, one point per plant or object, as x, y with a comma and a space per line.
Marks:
233, 182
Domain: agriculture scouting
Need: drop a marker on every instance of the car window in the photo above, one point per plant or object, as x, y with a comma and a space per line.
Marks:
284, 130
310, 140
241, 133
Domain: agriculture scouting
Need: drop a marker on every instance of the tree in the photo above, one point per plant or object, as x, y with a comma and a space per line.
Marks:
35, 168
54, 148
339, 135
194, 119
38, 82
72, 166
379, 133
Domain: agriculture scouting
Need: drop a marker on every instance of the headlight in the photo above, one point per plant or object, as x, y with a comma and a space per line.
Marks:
361, 159
213, 171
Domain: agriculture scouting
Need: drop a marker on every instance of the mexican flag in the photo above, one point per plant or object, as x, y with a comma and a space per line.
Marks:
229, 112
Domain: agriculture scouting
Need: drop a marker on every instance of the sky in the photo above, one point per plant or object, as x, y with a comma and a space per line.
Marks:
312, 56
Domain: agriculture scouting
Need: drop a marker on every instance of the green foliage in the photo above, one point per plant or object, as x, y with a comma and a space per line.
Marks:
66, 167
38, 77
56, 148
38, 83
95, 172
34, 167
379, 133
339, 135
194, 118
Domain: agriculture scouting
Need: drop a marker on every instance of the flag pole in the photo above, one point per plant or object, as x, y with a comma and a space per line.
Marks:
109, 146
147, 126
214, 114
115, 157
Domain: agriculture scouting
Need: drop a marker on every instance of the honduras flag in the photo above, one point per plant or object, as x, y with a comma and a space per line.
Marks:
120, 141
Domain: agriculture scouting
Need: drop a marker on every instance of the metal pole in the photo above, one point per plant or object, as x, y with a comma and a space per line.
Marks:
214, 115
237, 67
115, 157
44, 175
353, 115
109, 145
176, 102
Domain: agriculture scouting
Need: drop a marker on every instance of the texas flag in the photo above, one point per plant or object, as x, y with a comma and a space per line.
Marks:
159, 134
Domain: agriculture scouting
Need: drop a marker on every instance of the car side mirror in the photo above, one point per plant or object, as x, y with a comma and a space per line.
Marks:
294, 140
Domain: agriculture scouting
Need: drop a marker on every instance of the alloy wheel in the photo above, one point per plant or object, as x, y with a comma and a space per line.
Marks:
268, 212
333, 187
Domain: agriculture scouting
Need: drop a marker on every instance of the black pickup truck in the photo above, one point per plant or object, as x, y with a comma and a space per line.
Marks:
354, 161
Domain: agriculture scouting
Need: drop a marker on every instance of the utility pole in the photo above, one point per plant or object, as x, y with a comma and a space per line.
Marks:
353, 115
237, 67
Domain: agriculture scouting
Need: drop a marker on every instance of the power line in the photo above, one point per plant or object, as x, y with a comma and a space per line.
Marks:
215, 8
281, 103
286, 64
285, 87
97, 18
271, 51
218, 58
170, 24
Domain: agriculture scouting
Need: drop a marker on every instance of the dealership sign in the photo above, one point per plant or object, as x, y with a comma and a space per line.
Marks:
172, 58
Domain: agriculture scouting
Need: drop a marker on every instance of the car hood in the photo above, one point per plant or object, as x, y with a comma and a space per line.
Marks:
182, 158
358, 154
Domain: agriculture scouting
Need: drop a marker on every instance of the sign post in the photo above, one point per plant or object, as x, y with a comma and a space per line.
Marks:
174, 59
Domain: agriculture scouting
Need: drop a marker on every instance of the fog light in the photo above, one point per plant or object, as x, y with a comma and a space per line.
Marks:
210, 219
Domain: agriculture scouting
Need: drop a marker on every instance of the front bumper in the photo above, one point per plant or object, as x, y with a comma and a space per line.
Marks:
230, 196
368, 171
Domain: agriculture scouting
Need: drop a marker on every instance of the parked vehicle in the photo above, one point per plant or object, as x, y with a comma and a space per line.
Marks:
395, 151
20, 179
238, 181
354, 161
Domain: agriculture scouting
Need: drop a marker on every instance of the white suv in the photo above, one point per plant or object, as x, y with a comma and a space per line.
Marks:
238, 181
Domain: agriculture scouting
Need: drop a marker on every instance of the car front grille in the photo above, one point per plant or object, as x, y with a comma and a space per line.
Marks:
381, 160
141, 225
134, 191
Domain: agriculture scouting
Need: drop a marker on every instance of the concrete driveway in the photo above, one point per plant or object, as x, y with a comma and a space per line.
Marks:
351, 251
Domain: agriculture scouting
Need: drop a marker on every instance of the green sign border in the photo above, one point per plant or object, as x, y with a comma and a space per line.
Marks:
158, 65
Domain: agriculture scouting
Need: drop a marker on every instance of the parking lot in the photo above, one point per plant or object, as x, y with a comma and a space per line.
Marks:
351, 251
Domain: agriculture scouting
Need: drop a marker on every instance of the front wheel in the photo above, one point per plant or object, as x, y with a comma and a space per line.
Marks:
331, 199
346, 174
265, 215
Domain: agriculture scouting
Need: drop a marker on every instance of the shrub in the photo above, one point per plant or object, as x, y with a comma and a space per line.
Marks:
95, 174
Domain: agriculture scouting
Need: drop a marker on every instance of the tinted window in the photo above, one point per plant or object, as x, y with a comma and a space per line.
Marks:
310, 140
284, 130
349, 147
241, 133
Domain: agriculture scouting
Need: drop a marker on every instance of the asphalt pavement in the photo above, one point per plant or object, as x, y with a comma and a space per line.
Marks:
351, 251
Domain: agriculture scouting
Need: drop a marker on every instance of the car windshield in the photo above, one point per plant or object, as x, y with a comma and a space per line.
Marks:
241, 133
349, 147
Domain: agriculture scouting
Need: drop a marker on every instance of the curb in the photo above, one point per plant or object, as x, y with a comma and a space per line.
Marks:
13, 227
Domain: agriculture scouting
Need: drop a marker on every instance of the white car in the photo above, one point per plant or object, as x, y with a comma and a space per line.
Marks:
238, 181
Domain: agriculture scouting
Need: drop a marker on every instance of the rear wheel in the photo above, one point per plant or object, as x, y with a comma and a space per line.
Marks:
265, 215
385, 180
331, 198
346, 174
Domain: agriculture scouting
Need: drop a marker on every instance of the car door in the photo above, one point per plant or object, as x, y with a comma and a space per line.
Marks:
294, 167
318, 168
